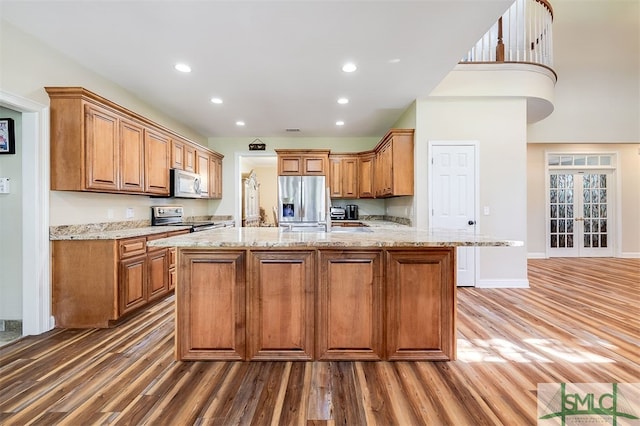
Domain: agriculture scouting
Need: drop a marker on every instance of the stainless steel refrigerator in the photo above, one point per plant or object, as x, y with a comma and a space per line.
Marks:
302, 200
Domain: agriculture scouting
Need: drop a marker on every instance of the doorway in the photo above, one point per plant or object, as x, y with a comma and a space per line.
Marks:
265, 172
580, 205
453, 196
36, 292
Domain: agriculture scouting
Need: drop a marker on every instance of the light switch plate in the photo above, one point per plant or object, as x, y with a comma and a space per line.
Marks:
4, 186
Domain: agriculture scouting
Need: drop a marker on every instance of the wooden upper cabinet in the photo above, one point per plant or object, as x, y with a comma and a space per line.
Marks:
366, 166
202, 168
97, 145
156, 165
215, 176
177, 154
314, 162
131, 156
102, 149
189, 158
343, 175
394, 164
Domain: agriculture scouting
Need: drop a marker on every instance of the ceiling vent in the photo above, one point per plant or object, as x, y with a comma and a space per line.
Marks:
292, 130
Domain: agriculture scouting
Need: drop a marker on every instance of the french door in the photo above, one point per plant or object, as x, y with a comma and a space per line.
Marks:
580, 213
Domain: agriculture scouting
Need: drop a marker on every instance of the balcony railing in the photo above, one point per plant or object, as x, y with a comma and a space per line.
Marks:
522, 34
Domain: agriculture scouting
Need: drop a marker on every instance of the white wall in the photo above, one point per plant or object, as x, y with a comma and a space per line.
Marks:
27, 67
502, 176
597, 59
11, 226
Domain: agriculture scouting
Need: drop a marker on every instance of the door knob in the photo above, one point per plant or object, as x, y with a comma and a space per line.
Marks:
472, 222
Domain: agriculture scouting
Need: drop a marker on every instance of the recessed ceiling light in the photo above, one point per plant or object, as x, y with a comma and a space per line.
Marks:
216, 100
349, 67
394, 60
182, 67
239, 123
343, 101
339, 123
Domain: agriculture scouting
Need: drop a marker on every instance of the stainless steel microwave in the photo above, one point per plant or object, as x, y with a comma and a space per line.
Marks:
185, 184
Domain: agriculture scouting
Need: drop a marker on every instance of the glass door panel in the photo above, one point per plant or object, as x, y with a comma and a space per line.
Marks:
579, 220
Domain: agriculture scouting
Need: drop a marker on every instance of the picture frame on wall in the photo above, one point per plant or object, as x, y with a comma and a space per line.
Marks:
7, 136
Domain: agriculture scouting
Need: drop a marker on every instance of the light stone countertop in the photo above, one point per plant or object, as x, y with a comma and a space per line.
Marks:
381, 236
116, 234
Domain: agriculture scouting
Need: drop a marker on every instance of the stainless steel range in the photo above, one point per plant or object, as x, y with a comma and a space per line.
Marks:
173, 215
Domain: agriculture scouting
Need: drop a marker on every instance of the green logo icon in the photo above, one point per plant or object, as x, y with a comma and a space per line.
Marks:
588, 404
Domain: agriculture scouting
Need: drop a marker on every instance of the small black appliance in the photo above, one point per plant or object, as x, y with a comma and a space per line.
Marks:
351, 212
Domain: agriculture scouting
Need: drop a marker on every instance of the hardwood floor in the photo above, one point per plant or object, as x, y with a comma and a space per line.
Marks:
577, 323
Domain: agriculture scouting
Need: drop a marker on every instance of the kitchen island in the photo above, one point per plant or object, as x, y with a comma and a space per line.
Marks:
368, 294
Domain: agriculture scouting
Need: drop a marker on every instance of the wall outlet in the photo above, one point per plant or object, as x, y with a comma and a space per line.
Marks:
486, 210
109, 213
129, 213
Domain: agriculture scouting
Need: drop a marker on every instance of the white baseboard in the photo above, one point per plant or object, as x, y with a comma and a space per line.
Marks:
630, 255
514, 283
536, 255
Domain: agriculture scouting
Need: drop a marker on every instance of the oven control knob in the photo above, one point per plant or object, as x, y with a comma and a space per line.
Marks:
161, 211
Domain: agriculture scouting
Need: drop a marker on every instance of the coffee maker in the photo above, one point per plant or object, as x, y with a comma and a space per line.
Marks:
351, 212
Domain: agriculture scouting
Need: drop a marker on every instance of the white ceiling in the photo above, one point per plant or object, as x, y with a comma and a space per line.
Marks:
275, 64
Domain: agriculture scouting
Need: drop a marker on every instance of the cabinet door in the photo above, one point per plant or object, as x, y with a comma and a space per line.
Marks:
173, 271
158, 274
189, 158
350, 305
131, 157
335, 177
132, 283
289, 165
314, 165
421, 303
281, 310
156, 165
350, 177
215, 177
365, 176
177, 154
202, 168
102, 149
211, 305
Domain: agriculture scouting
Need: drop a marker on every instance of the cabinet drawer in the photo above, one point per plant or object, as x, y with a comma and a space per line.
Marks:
132, 247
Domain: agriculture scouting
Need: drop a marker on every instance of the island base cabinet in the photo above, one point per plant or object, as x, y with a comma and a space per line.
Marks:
350, 306
212, 293
280, 314
421, 303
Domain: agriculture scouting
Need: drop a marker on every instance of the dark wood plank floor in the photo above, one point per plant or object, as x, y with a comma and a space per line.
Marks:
577, 323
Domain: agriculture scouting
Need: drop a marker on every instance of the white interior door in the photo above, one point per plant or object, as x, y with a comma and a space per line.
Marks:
453, 200
579, 215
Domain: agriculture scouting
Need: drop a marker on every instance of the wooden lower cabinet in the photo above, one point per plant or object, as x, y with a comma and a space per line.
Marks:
280, 306
421, 302
316, 304
211, 320
132, 284
350, 305
96, 282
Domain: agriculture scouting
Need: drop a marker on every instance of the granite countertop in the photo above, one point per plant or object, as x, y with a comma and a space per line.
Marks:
380, 236
119, 230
